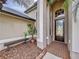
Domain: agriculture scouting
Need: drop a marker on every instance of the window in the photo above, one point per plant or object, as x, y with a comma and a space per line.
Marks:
59, 12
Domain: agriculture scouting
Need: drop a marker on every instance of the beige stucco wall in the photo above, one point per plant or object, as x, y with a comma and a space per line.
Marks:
12, 27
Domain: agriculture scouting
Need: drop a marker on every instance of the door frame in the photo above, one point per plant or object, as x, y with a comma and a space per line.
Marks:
63, 29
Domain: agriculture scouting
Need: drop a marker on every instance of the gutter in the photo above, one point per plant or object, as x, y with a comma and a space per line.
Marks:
17, 15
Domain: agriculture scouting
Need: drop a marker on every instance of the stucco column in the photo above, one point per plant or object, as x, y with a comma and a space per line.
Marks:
73, 31
49, 25
41, 24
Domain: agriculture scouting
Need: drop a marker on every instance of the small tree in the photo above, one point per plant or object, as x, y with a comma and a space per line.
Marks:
31, 30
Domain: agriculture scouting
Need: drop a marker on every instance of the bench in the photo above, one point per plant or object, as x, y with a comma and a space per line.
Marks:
8, 44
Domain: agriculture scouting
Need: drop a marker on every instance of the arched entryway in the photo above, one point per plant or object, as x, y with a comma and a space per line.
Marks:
59, 16
59, 25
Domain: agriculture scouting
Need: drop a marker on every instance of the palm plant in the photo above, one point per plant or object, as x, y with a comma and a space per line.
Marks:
31, 30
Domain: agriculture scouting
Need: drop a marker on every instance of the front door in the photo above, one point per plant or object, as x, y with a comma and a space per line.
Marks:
59, 30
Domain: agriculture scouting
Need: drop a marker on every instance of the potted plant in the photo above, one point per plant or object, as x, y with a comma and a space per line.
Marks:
31, 31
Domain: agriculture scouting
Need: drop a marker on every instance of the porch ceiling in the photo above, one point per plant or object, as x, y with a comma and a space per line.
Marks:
54, 1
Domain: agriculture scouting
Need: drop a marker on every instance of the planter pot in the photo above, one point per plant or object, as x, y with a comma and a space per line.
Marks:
32, 41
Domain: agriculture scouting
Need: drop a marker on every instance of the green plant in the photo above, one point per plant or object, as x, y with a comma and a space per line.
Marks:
31, 30
25, 34
66, 4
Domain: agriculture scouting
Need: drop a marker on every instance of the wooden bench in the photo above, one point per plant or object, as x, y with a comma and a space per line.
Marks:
8, 44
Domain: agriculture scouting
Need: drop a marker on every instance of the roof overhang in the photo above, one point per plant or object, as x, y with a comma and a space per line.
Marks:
13, 12
31, 8
16, 13
34, 6
3, 11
